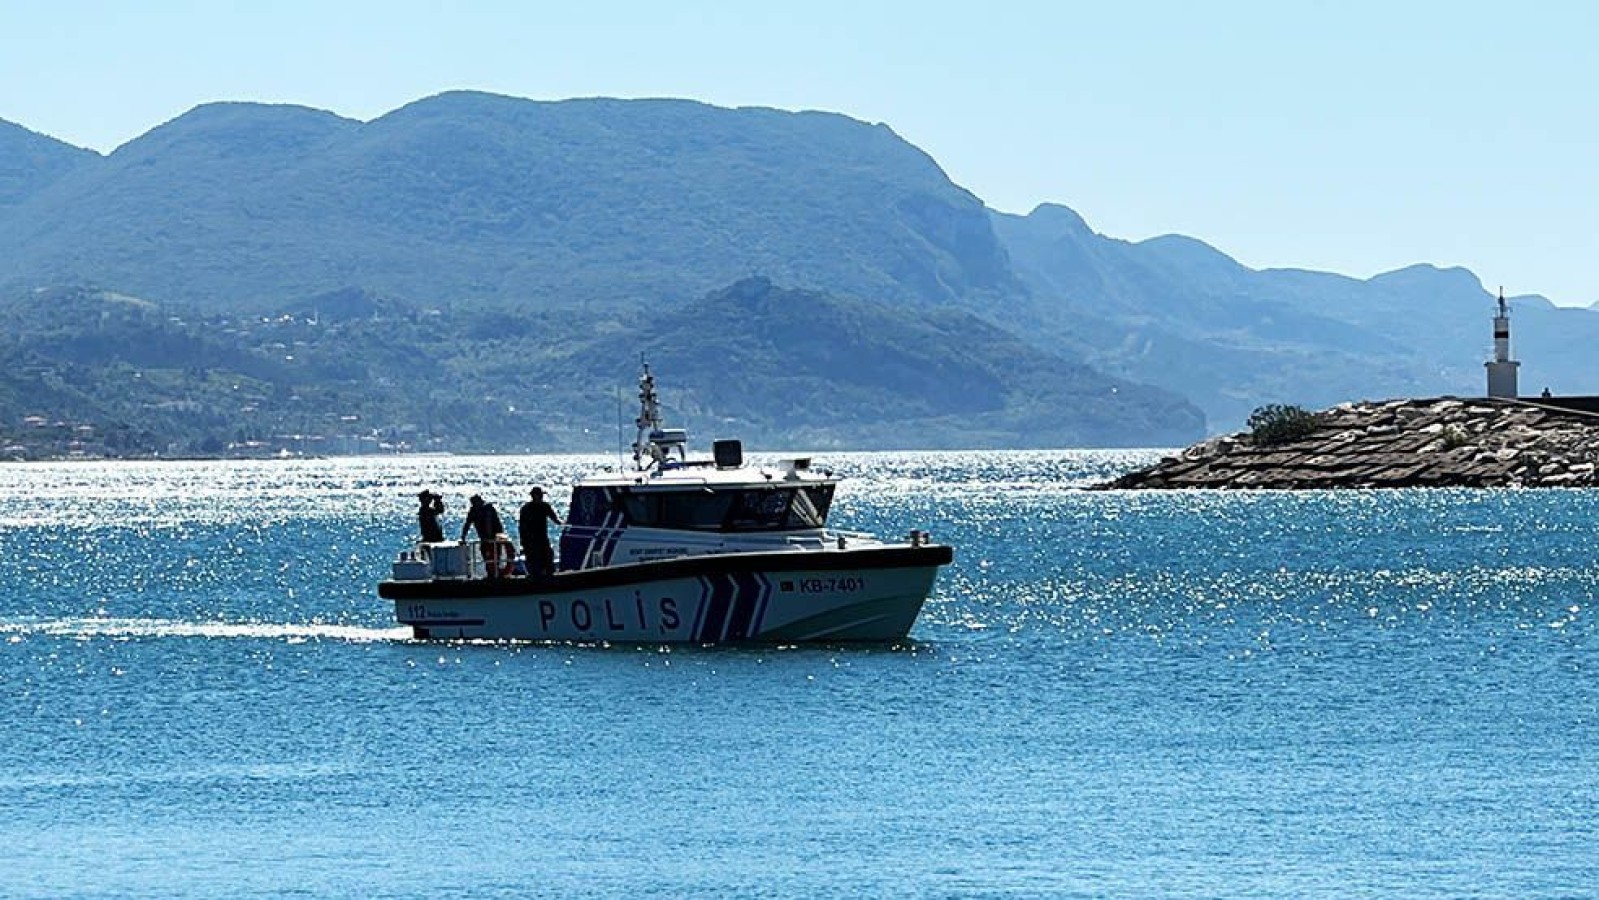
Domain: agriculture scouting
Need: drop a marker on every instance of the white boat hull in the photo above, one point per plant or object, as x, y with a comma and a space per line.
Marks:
846, 595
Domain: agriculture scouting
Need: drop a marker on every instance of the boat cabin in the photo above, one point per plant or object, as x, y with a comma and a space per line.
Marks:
680, 511
670, 506
704, 506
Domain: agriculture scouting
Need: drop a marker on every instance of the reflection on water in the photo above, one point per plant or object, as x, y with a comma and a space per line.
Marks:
1208, 693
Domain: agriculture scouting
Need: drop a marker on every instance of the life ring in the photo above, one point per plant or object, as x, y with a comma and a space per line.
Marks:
504, 561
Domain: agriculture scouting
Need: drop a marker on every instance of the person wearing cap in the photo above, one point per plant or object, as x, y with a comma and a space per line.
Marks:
427, 517
535, 537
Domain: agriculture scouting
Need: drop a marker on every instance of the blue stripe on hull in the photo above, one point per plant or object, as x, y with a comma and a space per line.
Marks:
717, 609
763, 600
746, 601
700, 608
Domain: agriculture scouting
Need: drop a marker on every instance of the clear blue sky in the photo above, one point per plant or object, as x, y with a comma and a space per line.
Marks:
1352, 137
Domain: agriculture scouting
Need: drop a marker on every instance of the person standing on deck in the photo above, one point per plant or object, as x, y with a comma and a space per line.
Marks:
535, 537
483, 518
427, 517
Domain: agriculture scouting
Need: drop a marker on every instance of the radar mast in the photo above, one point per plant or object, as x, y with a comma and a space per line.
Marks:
654, 444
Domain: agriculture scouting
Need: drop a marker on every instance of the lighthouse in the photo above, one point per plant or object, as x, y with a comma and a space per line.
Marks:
1502, 369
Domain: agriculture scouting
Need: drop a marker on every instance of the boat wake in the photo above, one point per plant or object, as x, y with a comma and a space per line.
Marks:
129, 629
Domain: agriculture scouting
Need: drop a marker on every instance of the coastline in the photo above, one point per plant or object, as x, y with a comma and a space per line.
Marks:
1433, 442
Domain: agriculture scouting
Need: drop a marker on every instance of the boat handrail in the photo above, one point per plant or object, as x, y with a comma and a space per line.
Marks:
817, 539
649, 480
770, 534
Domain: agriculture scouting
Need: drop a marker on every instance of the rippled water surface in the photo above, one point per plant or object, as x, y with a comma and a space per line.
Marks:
1110, 694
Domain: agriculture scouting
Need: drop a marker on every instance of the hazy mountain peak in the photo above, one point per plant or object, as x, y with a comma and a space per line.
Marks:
30, 162
468, 194
674, 125
1059, 220
13, 135
1426, 276
460, 102
242, 128
1190, 253
229, 114
942, 371
1174, 244
1533, 301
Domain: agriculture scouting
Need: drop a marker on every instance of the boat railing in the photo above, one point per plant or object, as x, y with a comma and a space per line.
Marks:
833, 534
843, 539
678, 479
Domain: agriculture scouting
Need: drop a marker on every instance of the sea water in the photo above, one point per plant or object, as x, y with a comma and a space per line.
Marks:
1210, 694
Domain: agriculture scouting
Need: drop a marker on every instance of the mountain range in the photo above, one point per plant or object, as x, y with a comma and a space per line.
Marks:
808, 276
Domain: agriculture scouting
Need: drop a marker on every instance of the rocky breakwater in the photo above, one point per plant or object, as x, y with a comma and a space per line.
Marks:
1443, 442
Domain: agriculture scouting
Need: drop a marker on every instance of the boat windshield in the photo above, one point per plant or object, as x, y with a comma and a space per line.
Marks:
731, 510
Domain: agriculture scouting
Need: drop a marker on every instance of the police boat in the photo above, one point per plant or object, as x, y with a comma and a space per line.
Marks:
677, 550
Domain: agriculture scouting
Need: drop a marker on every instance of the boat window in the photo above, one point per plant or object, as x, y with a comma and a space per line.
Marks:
809, 509
696, 510
590, 506
640, 509
761, 509
751, 509
703, 510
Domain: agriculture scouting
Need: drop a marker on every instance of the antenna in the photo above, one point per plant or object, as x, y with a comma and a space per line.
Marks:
617, 389
654, 444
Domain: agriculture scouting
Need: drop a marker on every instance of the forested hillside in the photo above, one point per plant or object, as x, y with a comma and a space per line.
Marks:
470, 196
479, 272
352, 372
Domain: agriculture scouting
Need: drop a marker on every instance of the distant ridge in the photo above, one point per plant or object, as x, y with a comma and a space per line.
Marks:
473, 196
941, 378
351, 371
30, 162
574, 212
1175, 312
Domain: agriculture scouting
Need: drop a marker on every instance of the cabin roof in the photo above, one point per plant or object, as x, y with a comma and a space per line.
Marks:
695, 476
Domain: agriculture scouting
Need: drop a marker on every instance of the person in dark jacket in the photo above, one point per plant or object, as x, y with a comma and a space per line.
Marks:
427, 517
535, 537
483, 518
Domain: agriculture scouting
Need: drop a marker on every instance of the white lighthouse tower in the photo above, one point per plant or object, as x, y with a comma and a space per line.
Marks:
1502, 369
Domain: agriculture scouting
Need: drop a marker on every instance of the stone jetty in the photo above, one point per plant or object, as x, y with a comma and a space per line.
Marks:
1441, 442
